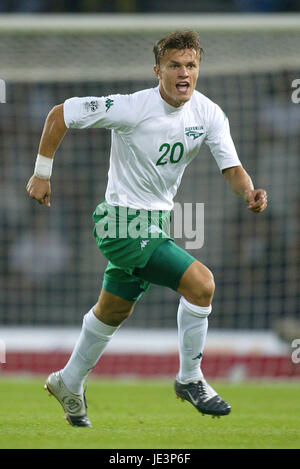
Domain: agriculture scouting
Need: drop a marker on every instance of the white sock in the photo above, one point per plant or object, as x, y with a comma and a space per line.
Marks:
93, 339
192, 329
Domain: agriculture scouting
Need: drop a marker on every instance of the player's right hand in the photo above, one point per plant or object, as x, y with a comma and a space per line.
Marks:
39, 189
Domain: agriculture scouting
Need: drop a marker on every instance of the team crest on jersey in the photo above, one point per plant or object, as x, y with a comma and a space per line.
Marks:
194, 132
91, 106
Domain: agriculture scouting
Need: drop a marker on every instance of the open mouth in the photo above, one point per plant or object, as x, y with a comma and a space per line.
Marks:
182, 87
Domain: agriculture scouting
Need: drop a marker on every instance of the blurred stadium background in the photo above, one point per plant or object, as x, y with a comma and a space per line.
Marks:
50, 267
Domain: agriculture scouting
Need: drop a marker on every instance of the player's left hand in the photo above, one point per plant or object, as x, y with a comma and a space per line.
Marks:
257, 200
39, 189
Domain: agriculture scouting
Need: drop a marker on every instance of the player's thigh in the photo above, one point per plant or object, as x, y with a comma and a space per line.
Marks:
166, 265
173, 267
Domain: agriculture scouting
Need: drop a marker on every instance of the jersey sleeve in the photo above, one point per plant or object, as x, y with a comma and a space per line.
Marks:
111, 112
219, 140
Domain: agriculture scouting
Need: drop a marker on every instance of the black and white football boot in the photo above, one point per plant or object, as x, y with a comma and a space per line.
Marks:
202, 396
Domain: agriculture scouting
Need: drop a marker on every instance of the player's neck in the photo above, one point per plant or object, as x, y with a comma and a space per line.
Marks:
172, 102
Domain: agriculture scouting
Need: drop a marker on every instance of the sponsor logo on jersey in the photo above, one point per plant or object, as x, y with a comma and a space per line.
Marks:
194, 132
109, 103
91, 105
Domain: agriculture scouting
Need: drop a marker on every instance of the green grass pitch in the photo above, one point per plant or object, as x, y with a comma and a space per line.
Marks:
144, 414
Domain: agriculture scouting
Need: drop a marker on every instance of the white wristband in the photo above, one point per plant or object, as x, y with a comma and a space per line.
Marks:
43, 167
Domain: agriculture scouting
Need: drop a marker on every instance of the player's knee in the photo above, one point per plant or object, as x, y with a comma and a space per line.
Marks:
117, 317
112, 317
201, 286
207, 287
111, 310
203, 292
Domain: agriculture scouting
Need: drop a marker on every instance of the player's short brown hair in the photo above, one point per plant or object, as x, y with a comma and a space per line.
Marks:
177, 40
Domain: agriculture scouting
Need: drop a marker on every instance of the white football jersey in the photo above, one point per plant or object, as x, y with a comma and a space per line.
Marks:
152, 142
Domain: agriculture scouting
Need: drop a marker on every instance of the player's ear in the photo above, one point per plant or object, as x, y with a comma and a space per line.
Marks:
156, 70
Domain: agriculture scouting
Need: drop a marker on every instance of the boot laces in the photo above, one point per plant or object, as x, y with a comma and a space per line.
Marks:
201, 390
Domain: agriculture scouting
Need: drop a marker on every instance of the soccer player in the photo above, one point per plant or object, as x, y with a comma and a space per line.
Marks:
156, 133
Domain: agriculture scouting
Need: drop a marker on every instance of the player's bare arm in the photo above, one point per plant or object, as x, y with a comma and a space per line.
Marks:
241, 183
38, 187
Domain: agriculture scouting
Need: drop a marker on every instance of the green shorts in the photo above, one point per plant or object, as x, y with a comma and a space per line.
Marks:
136, 257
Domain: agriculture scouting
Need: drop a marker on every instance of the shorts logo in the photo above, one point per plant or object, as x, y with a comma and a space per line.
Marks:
144, 243
109, 103
194, 132
91, 106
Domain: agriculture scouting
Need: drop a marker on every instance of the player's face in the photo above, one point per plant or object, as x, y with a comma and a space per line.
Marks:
177, 73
